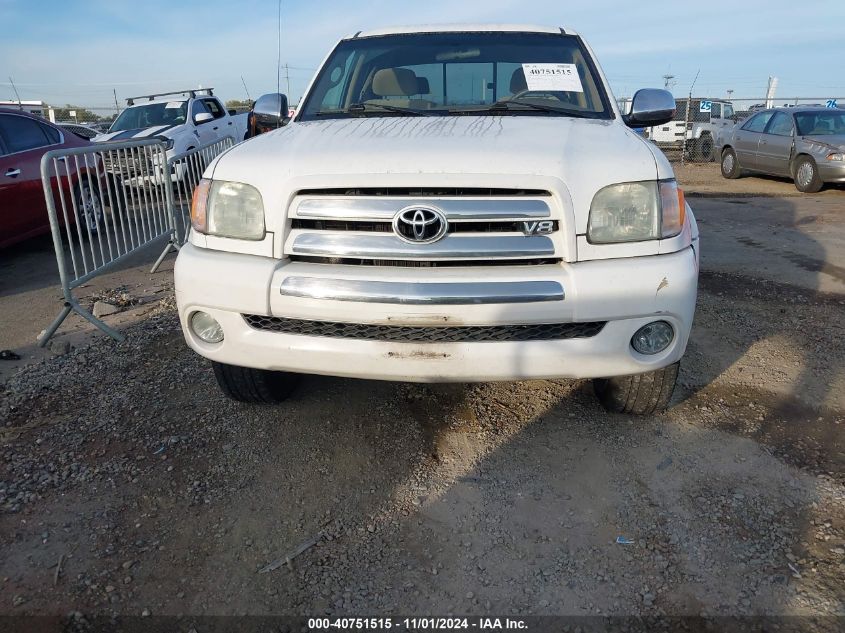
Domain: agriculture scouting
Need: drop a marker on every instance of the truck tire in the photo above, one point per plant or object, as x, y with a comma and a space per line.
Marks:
807, 175
730, 164
257, 386
704, 149
641, 394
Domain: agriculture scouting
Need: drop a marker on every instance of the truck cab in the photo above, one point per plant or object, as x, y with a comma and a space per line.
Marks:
184, 120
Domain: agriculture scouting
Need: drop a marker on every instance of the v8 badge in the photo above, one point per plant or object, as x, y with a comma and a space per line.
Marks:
541, 227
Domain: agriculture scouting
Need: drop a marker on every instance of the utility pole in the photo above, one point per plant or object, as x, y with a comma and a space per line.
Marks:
116, 107
287, 81
730, 92
667, 81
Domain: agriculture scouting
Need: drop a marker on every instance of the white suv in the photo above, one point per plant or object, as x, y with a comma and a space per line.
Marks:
461, 203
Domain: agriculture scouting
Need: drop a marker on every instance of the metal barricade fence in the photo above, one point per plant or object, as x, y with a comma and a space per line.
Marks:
104, 203
108, 201
186, 170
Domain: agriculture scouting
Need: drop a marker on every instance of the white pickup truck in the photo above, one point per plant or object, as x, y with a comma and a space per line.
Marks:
184, 119
458, 203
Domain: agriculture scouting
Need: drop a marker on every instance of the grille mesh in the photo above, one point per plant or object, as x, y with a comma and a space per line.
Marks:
412, 334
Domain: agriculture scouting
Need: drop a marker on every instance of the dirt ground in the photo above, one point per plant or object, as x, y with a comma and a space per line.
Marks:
129, 485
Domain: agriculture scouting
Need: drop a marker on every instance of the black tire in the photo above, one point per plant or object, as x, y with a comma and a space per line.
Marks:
257, 386
641, 394
704, 149
806, 175
730, 164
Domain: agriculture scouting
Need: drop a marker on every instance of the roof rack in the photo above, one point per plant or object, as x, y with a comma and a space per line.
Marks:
192, 91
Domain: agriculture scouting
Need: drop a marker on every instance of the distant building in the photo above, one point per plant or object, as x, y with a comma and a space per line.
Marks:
38, 108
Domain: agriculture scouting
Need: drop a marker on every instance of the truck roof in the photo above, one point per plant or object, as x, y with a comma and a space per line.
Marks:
461, 28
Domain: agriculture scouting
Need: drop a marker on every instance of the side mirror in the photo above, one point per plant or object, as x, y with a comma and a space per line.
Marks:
202, 117
650, 107
269, 112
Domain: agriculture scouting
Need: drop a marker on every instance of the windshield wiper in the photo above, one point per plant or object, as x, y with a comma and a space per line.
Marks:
506, 105
363, 107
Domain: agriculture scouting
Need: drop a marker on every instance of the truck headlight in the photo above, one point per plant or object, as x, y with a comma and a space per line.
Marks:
836, 156
635, 212
228, 209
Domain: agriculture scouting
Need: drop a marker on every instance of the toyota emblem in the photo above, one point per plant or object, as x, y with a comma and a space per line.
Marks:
420, 225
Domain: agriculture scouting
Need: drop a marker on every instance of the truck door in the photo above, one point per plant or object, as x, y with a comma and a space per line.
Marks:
205, 131
748, 137
775, 148
720, 120
223, 123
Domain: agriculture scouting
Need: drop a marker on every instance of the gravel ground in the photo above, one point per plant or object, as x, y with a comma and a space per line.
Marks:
124, 466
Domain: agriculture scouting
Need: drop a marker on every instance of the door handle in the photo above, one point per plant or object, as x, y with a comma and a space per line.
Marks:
230, 123
215, 128
13, 173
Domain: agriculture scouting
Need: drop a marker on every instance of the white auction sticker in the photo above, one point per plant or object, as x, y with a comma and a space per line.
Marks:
173, 104
552, 77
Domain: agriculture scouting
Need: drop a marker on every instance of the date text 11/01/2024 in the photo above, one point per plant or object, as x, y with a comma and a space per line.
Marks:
412, 624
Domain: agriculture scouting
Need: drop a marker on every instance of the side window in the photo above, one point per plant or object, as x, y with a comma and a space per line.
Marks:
716, 111
214, 107
758, 122
198, 107
21, 134
52, 134
780, 125
729, 111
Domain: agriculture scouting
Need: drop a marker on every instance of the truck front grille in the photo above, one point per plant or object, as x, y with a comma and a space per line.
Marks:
399, 263
481, 225
424, 334
413, 192
385, 227
127, 163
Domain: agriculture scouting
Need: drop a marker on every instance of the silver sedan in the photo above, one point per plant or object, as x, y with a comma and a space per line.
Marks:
806, 144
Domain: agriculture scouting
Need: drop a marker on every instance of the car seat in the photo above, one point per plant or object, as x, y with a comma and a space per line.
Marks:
389, 83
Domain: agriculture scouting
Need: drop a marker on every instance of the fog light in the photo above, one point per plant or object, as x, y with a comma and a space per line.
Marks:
653, 338
206, 327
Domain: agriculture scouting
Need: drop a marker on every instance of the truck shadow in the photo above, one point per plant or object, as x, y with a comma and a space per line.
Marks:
770, 299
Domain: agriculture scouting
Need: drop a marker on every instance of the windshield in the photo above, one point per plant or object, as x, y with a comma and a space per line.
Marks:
820, 123
170, 113
454, 73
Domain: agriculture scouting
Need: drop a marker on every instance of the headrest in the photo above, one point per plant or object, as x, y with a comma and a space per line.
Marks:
395, 82
518, 83
422, 86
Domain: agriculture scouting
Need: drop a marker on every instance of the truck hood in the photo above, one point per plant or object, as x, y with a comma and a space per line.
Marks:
166, 131
582, 155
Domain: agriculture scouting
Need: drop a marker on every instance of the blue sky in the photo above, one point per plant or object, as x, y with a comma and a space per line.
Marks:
71, 51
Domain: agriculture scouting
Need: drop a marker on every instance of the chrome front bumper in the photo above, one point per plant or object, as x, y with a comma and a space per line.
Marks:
423, 293
625, 294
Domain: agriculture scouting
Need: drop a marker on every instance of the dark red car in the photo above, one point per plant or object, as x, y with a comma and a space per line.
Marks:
24, 138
